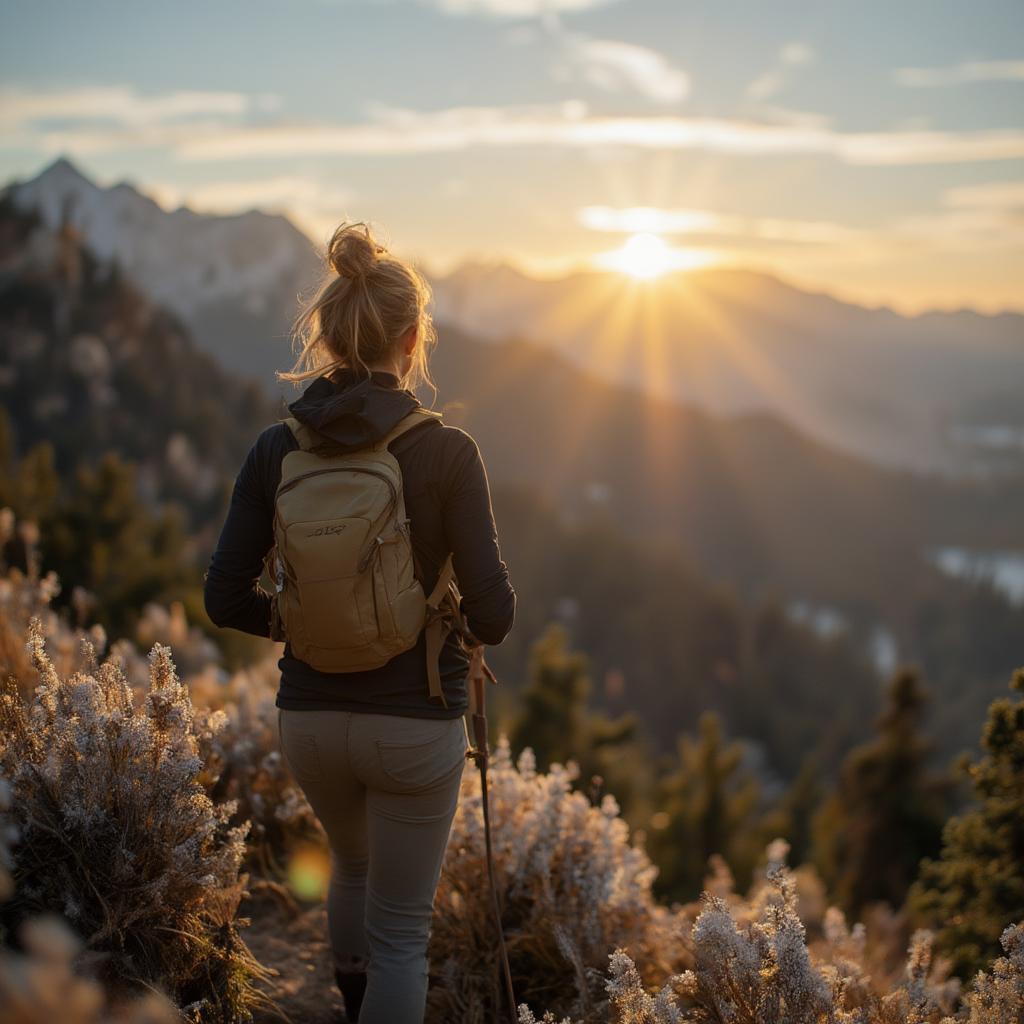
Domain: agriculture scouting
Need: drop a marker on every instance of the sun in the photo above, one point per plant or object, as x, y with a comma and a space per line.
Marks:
645, 256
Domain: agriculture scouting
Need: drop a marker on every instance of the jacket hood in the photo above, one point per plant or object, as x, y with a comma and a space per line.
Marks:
352, 410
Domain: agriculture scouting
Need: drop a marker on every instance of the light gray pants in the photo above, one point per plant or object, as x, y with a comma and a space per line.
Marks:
385, 788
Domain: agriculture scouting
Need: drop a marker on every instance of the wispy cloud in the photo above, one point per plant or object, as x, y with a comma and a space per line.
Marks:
399, 130
980, 229
1006, 195
924, 147
959, 74
681, 221
977, 227
991, 214
123, 105
775, 79
217, 131
619, 67
515, 8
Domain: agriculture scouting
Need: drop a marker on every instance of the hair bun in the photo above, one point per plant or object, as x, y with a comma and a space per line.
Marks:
353, 251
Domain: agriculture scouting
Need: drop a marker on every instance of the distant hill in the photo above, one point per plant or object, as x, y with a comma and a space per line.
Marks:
749, 498
937, 391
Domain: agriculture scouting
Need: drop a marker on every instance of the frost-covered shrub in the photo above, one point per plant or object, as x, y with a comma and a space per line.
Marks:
244, 758
762, 972
24, 597
751, 966
27, 597
118, 834
8, 837
629, 1001
168, 625
39, 985
758, 974
572, 889
997, 995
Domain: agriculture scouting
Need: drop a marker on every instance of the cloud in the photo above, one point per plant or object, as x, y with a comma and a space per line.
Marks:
123, 105
798, 118
796, 53
923, 147
397, 131
616, 66
990, 214
1005, 195
959, 74
68, 122
978, 228
778, 76
515, 8
676, 221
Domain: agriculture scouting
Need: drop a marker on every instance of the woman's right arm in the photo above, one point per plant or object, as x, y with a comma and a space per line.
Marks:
488, 600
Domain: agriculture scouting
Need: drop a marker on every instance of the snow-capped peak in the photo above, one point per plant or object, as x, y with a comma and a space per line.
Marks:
187, 261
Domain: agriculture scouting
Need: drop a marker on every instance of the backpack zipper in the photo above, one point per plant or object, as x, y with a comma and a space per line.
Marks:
340, 469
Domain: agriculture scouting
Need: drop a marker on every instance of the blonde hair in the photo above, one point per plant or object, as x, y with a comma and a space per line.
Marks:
367, 302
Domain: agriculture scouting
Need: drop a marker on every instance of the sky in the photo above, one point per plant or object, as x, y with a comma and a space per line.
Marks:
874, 150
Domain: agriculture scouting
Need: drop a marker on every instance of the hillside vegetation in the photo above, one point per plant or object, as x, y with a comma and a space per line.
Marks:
137, 880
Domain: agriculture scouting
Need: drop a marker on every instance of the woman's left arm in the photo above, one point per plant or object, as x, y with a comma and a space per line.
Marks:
231, 590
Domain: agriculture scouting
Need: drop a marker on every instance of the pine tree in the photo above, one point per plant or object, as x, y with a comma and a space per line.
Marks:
709, 806
797, 809
554, 702
558, 724
101, 535
887, 810
976, 886
94, 531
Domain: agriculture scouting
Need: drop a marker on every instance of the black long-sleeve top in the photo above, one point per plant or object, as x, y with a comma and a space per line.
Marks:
448, 503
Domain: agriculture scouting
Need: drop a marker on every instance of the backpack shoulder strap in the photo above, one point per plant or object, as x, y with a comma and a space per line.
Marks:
307, 438
417, 416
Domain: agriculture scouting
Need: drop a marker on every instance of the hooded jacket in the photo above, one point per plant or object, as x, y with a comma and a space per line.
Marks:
448, 503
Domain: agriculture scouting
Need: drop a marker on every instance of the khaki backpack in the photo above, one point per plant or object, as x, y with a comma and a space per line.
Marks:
346, 593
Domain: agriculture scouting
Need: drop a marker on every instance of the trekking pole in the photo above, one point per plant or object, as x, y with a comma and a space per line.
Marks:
479, 754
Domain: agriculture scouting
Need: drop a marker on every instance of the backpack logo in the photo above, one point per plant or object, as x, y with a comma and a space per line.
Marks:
327, 531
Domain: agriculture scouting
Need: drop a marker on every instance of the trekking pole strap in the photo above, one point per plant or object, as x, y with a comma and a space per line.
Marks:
442, 616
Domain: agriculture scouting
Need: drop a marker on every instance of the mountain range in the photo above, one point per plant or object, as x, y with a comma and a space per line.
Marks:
935, 392
940, 391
